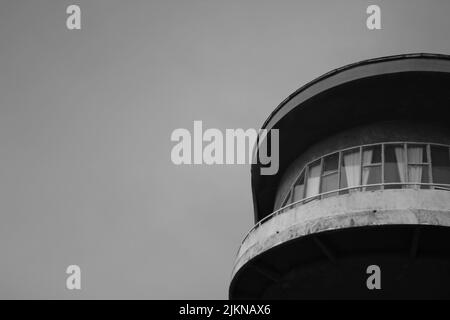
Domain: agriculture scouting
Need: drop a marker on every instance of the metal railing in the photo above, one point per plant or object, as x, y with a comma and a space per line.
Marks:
363, 188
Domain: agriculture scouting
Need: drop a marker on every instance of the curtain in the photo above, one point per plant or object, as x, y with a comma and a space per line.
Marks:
312, 186
352, 168
415, 171
367, 159
401, 165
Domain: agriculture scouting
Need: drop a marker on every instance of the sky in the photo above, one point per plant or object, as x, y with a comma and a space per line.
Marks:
86, 118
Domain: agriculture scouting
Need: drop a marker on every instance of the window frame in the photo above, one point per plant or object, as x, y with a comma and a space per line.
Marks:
288, 196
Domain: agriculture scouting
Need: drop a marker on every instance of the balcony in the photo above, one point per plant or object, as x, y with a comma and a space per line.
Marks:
407, 204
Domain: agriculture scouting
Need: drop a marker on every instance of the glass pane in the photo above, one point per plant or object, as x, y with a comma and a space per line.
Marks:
440, 160
394, 166
288, 199
372, 175
372, 155
329, 182
426, 175
343, 182
299, 188
313, 183
330, 163
351, 169
298, 192
417, 154
418, 173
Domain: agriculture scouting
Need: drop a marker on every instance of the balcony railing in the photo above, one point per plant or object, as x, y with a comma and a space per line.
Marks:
379, 186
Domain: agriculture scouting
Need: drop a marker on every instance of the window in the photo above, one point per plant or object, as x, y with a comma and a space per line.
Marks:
299, 188
387, 165
297, 192
313, 183
351, 169
288, 199
371, 173
330, 173
440, 158
417, 165
394, 165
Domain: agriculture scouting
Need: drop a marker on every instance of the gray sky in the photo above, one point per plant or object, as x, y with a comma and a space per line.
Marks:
86, 118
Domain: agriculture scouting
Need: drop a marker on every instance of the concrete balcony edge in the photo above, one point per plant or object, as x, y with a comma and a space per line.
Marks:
358, 209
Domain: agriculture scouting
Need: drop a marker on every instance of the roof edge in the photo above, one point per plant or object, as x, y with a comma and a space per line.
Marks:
351, 66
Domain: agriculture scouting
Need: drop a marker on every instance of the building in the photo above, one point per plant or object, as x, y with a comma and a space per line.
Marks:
364, 180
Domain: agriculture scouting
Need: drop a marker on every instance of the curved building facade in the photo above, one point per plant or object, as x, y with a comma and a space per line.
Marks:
364, 179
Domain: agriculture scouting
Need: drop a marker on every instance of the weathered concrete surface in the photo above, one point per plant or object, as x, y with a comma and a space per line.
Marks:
383, 207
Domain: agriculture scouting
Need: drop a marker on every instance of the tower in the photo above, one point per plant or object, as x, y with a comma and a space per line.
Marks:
364, 180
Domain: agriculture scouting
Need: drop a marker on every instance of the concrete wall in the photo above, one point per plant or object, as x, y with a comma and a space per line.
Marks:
382, 207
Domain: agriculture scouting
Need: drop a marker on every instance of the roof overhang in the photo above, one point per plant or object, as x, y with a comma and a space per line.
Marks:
406, 87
